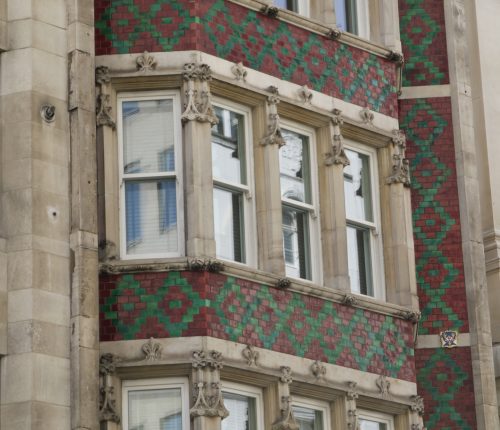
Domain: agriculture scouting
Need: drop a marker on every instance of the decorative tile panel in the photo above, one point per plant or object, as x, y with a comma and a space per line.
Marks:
174, 304
237, 34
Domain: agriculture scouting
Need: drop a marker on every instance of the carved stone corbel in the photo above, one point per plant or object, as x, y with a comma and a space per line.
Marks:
349, 300
198, 105
270, 11
400, 173
103, 108
352, 413
273, 136
107, 401
337, 153
417, 413
208, 399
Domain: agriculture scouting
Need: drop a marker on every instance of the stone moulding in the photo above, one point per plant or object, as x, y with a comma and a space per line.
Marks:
198, 105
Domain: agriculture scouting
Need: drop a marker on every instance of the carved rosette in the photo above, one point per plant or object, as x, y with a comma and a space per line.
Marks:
107, 401
337, 153
250, 355
400, 173
352, 413
208, 399
273, 136
103, 108
198, 105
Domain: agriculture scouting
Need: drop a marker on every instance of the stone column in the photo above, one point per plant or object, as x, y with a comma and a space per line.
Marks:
198, 117
332, 202
35, 222
470, 216
401, 285
267, 184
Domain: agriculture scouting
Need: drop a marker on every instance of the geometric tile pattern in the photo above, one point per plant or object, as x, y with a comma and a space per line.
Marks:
423, 37
444, 380
436, 220
174, 304
237, 34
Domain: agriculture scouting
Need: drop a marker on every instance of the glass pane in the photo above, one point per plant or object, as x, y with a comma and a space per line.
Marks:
308, 419
242, 414
359, 260
228, 147
228, 225
371, 425
287, 4
151, 216
294, 167
357, 187
296, 243
155, 409
148, 136
341, 14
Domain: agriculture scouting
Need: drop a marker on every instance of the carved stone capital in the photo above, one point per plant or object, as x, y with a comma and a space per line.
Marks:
145, 62
152, 350
107, 364
103, 111
400, 172
208, 401
352, 390
198, 105
239, 72
287, 420
250, 355
417, 405
286, 375
210, 359
102, 76
398, 139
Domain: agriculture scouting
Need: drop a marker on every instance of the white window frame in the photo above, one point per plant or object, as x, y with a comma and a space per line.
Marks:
302, 6
311, 208
378, 417
248, 391
177, 174
316, 405
249, 218
156, 384
375, 227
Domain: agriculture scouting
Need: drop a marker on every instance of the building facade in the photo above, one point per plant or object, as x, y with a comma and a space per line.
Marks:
248, 214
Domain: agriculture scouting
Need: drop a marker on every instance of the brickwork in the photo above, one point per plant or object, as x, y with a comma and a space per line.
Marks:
436, 221
445, 381
173, 304
423, 36
237, 34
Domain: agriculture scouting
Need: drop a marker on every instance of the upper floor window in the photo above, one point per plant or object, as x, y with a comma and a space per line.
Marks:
298, 204
353, 16
150, 193
155, 404
311, 415
299, 6
364, 250
231, 169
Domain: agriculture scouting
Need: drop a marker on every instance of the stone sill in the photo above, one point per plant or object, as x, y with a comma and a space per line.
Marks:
252, 274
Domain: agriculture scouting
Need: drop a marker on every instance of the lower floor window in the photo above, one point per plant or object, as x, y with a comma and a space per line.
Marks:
244, 404
155, 405
296, 242
359, 259
310, 414
375, 421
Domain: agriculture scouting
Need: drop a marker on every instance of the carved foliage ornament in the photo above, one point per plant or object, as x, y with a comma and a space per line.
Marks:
384, 386
349, 300
103, 111
208, 401
271, 11
107, 401
274, 135
286, 375
400, 166
152, 350
367, 116
198, 106
102, 75
287, 420
305, 94
352, 414
337, 153
239, 72
250, 355
318, 369
145, 62
417, 405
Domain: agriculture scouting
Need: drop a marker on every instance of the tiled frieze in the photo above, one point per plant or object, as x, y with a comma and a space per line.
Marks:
174, 304
436, 222
444, 378
423, 37
237, 34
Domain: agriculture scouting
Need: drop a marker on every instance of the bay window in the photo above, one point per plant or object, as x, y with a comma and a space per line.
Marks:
362, 222
298, 204
160, 404
233, 214
151, 196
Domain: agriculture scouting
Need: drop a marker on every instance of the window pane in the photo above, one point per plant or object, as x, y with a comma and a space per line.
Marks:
155, 409
341, 14
242, 414
357, 187
308, 419
151, 216
148, 136
287, 4
228, 149
294, 167
359, 260
228, 224
296, 243
371, 425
